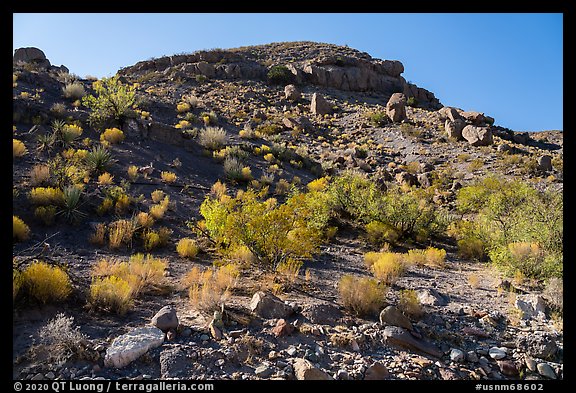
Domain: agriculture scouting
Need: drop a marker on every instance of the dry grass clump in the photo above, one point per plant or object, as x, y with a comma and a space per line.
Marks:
157, 211
62, 339
210, 288
429, 257
46, 283
386, 266
120, 232
44, 196
212, 138
409, 303
39, 174
168, 177
74, 91
362, 295
20, 231
111, 294
187, 248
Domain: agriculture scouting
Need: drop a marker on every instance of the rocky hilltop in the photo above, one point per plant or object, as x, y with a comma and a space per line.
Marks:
204, 216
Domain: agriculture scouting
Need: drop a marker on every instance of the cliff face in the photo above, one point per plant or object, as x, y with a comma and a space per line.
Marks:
323, 65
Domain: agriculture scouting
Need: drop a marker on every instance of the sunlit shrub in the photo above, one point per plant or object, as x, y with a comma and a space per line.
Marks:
363, 296
187, 248
46, 283
20, 231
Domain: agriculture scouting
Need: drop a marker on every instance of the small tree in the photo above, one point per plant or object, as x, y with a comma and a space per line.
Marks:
113, 102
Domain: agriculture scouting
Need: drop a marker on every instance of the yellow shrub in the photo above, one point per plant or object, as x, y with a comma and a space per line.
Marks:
435, 257
45, 214
409, 303
20, 231
388, 267
46, 196
318, 184
379, 232
111, 293
112, 135
132, 172
39, 174
46, 283
151, 240
289, 269
105, 179
218, 189
157, 195
106, 205
183, 107
187, 248
168, 177
269, 157
71, 132
157, 211
242, 255
183, 125
471, 248
120, 232
362, 295
144, 220
246, 173
164, 235
16, 283
122, 204
18, 148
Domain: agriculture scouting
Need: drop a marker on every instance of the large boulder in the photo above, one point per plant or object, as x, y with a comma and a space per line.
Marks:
545, 163
322, 314
399, 337
268, 306
391, 316
165, 319
454, 128
476, 118
130, 346
291, 93
477, 136
31, 55
319, 105
304, 370
531, 306
449, 113
396, 107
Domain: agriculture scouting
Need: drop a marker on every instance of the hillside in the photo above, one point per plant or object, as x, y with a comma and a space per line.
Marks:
291, 170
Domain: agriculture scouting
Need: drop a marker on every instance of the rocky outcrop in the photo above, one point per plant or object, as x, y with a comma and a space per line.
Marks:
269, 306
319, 105
396, 107
31, 55
477, 136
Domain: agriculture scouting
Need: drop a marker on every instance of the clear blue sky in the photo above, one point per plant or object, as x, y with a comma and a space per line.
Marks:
509, 66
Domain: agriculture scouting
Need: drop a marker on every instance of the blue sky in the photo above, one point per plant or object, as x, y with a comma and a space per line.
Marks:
509, 66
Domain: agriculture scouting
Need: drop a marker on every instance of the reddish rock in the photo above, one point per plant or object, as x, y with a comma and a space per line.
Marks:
282, 328
508, 367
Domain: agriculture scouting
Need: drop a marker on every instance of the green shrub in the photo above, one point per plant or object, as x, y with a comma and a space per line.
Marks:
379, 233
20, 231
377, 118
279, 75
113, 102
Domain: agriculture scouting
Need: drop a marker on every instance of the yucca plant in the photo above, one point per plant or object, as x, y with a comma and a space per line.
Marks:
98, 159
71, 204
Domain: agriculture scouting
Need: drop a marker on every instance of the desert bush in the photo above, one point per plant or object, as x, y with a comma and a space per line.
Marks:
212, 138
280, 74
209, 289
68, 133
158, 211
144, 220
63, 340
58, 109
70, 208
377, 118
268, 129
18, 148
16, 282
74, 91
430, 257
318, 185
39, 174
209, 118
120, 232
151, 240
112, 135
388, 266
99, 235
272, 232
412, 102
46, 283
379, 233
168, 177
113, 102
44, 196
182, 107
157, 196
187, 248
105, 179
409, 303
234, 170
363, 296
46, 214
20, 231
132, 173
512, 212
241, 255
112, 294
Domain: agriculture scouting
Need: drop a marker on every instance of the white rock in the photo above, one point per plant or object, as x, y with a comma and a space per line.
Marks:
130, 346
497, 353
457, 355
531, 306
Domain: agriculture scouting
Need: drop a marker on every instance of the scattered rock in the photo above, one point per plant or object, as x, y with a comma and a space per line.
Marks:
531, 306
540, 345
476, 118
456, 355
304, 370
472, 331
319, 105
430, 297
396, 107
376, 372
504, 147
268, 306
508, 367
394, 317
130, 346
397, 336
545, 163
406, 178
497, 353
546, 370
292, 93
477, 136
322, 313
264, 371
282, 328
165, 319
531, 364
454, 128
342, 375
449, 113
